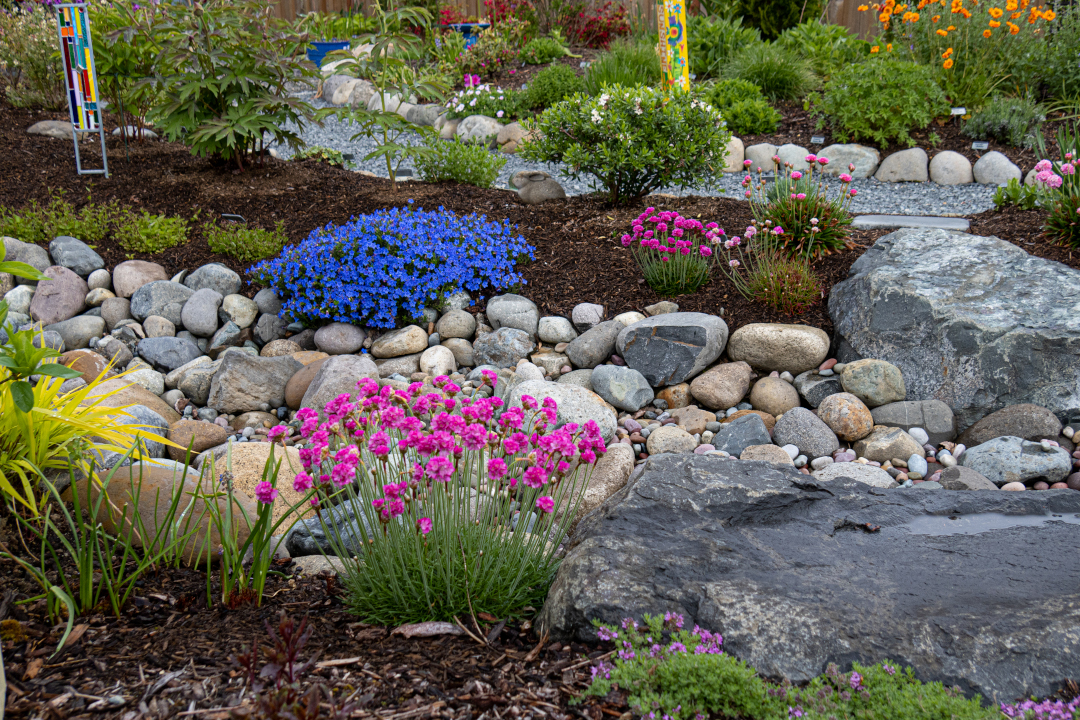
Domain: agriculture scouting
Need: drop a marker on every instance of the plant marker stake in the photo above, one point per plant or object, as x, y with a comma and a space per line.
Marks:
674, 57
80, 79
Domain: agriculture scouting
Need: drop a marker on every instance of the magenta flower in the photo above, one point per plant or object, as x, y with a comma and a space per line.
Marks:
801, 196
823, 161
276, 432
854, 192
796, 175
845, 178
734, 263
545, 503
424, 525
265, 492
811, 158
1043, 165
535, 477
440, 469
1068, 169
496, 468
302, 482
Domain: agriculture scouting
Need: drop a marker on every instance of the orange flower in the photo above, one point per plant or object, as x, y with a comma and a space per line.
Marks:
1013, 29
1049, 15
941, 32
1024, 4
935, 18
951, 28
995, 12
883, 17
945, 55
864, 8
1016, 14
1011, 5
995, 24
947, 64
888, 47
874, 49
986, 33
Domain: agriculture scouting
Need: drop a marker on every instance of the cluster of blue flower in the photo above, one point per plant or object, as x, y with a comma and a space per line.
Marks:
383, 268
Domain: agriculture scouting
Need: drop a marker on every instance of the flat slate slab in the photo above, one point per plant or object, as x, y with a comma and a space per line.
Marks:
910, 221
796, 573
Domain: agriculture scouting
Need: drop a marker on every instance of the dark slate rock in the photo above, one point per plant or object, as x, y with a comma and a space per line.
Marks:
933, 416
974, 322
309, 537
815, 388
1028, 421
671, 348
269, 328
75, 255
785, 569
741, 433
167, 353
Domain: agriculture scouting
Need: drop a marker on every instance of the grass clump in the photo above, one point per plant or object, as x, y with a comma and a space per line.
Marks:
466, 163
627, 64
780, 74
243, 243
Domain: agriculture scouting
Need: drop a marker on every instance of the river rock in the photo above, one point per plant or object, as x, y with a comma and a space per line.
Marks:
478, 129
670, 439
676, 396
199, 434
774, 396
462, 350
456, 324
554, 330
805, 430
623, 387
299, 383
795, 155
847, 416
513, 311
403, 365
587, 315
19, 298
246, 382
349, 530
61, 297
595, 345
338, 375
340, 339
885, 443
87, 362
168, 353
672, 348
403, 341
269, 328
772, 346
768, 453
114, 310
968, 320
933, 416
950, 168
962, 478
1011, 459
875, 382
75, 255
575, 404
865, 474
909, 165
436, 361
760, 156
814, 388
1027, 421
993, 168
503, 348
216, 277
238, 309
865, 159
130, 275
200, 313
78, 331
154, 297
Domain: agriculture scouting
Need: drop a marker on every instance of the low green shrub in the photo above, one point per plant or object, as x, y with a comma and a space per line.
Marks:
542, 50
781, 75
882, 100
743, 107
627, 63
1025, 197
244, 243
319, 153
773, 17
551, 85
827, 47
1012, 121
150, 234
466, 163
632, 140
711, 41
37, 223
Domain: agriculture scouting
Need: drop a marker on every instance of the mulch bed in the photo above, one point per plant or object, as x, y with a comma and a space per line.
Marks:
169, 655
578, 257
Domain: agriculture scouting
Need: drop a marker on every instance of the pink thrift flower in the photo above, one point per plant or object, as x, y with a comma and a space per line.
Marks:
746, 163
747, 193
733, 263
440, 469
1043, 165
705, 251
823, 161
778, 230
545, 503
535, 477
277, 432
265, 492
1054, 182
845, 178
496, 468
424, 525
796, 175
1068, 169
854, 192
811, 158
801, 196
302, 482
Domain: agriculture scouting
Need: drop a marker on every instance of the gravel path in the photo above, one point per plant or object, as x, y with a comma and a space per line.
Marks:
872, 196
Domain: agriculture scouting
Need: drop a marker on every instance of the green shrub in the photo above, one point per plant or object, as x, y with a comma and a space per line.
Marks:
243, 243
882, 100
542, 50
1012, 121
780, 74
1026, 197
743, 107
551, 85
632, 140
627, 64
319, 153
1063, 224
773, 17
1060, 73
711, 41
461, 162
827, 47
488, 100
150, 234
28, 54
36, 223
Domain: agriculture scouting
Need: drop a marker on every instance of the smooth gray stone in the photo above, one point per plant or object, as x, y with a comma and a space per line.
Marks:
868, 222
735, 436
933, 416
757, 551
671, 348
167, 353
1012, 459
75, 255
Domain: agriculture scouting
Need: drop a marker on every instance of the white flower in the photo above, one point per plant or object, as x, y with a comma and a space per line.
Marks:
459, 108
595, 116
499, 114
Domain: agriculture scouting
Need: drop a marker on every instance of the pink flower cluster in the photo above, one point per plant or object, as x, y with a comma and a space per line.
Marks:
671, 234
426, 441
1044, 173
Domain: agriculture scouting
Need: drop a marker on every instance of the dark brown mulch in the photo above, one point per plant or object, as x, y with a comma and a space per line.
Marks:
169, 655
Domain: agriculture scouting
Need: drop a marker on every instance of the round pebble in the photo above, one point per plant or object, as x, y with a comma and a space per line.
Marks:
1068, 432
1041, 485
1073, 481
791, 450
821, 462
1059, 486
917, 463
828, 364
787, 377
839, 367
800, 461
1014, 487
844, 456
826, 373
920, 435
731, 411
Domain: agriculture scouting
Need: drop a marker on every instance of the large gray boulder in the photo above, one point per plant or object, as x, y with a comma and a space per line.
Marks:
974, 322
513, 311
338, 376
575, 404
79, 330
1011, 459
168, 353
75, 255
503, 348
153, 297
671, 348
215, 276
796, 574
244, 382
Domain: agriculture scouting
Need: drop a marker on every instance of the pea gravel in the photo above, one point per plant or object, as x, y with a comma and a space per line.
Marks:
871, 196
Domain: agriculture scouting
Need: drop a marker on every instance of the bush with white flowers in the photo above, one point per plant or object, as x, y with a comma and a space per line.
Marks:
495, 102
632, 140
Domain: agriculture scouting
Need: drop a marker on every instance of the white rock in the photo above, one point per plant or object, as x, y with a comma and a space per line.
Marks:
919, 434
904, 166
736, 153
865, 159
821, 463
950, 168
791, 450
438, 360
993, 168
629, 318
478, 129
794, 154
760, 156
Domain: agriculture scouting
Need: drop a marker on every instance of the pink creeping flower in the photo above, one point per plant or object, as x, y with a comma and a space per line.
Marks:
535, 477
801, 196
545, 503
424, 525
778, 230
265, 492
277, 432
1054, 182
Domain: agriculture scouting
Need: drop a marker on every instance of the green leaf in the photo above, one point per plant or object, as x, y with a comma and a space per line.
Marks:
23, 395
59, 371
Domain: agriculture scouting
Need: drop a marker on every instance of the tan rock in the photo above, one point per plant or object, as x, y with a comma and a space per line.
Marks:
276, 348
152, 487
766, 453
847, 416
298, 383
404, 365
319, 565
766, 418
248, 463
723, 386
201, 435
773, 346
87, 362
131, 275
122, 392
875, 382
884, 443
255, 419
404, 341
692, 419
306, 357
676, 396
670, 439
774, 396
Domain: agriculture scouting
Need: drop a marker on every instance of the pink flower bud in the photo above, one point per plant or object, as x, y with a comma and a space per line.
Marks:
811, 158
796, 175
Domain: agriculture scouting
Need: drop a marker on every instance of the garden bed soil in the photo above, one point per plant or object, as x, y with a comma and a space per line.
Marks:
578, 257
169, 656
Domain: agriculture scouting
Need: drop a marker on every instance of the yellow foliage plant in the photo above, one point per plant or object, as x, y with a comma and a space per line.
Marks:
42, 438
967, 42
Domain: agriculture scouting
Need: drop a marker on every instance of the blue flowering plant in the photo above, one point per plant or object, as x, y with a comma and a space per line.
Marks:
384, 268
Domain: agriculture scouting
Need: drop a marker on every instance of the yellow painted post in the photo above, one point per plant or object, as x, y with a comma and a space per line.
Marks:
674, 57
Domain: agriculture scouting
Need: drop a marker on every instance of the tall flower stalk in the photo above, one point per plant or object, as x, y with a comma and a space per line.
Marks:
673, 252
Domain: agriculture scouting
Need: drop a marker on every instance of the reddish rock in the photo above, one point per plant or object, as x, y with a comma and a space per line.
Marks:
61, 297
